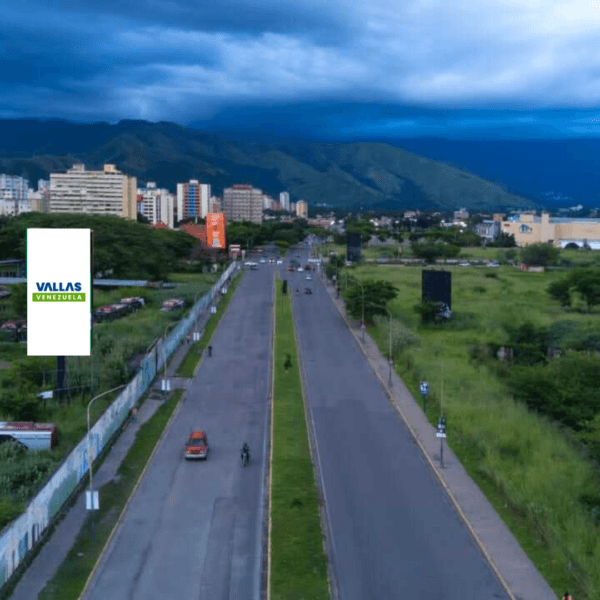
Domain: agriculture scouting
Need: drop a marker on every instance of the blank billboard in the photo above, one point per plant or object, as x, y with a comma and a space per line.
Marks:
215, 230
353, 247
436, 286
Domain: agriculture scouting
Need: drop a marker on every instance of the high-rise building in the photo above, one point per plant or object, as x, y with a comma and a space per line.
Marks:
267, 202
243, 203
284, 201
14, 195
215, 204
106, 192
302, 209
156, 204
193, 200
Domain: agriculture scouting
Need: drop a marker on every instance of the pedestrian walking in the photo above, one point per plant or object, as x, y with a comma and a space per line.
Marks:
134, 414
210, 350
567, 596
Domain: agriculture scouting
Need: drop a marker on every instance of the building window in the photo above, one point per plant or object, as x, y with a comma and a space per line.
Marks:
524, 229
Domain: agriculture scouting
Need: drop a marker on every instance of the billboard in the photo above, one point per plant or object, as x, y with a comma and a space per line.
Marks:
354, 245
436, 286
215, 230
59, 292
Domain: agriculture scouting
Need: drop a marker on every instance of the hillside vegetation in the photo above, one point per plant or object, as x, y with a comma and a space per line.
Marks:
358, 174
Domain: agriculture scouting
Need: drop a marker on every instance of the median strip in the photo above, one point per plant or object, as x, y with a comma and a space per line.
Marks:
71, 577
298, 562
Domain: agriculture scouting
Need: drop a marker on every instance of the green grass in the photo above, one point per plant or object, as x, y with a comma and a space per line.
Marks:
194, 354
527, 467
70, 579
298, 561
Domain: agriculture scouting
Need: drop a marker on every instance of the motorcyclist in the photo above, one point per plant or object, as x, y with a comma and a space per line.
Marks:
245, 451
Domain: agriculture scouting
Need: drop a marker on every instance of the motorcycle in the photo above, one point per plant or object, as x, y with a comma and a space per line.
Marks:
245, 457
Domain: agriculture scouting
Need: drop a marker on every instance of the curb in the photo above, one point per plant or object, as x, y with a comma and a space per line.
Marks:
121, 516
427, 456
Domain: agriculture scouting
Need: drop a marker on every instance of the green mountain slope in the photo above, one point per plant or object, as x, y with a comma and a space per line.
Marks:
345, 175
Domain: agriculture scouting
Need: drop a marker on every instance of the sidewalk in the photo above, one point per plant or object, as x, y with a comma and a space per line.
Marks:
512, 566
53, 553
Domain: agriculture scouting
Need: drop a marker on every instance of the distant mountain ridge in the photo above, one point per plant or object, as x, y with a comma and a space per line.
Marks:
350, 175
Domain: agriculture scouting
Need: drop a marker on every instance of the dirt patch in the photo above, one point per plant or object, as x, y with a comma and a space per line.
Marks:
5, 365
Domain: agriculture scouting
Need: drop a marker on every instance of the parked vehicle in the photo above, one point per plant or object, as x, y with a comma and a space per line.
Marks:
172, 304
307, 291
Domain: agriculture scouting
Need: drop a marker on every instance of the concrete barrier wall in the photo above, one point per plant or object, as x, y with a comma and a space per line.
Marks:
19, 536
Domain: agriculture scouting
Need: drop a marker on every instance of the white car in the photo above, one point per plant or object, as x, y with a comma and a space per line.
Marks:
493, 264
300, 269
309, 277
262, 260
464, 264
279, 262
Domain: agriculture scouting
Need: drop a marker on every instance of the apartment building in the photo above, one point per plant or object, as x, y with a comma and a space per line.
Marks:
302, 209
14, 195
215, 204
284, 201
529, 228
193, 200
156, 204
106, 192
243, 203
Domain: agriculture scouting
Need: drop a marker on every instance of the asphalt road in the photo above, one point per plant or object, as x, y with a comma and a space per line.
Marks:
395, 533
193, 529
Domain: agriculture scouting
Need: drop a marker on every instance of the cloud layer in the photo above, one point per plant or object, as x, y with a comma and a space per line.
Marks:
374, 68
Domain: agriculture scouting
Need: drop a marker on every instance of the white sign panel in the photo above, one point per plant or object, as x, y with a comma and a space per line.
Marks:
59, 290
92, 501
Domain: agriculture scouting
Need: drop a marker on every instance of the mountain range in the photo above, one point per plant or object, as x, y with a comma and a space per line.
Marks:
369, 174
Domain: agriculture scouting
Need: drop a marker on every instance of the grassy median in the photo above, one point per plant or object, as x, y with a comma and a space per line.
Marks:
194, 354
70, 579
298, 561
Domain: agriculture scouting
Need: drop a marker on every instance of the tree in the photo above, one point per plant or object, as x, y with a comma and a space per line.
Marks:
376, 295
587, 283
430, 311
561, 291
18, 300
540, 255
504, 240
428, 251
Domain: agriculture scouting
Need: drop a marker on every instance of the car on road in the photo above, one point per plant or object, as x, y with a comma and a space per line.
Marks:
309, 277
307, 291
197, 445
262, 260
300, 269
279, 262
290, 268
464, 264
493, 264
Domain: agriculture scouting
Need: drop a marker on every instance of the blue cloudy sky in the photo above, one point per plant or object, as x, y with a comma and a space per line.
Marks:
333, 68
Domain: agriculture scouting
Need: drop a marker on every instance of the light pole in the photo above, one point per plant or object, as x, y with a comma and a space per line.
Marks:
196, 332
164, 349
89, 440
390, 359
362, 324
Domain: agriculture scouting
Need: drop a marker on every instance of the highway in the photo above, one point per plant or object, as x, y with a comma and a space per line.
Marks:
394, 531
193, 529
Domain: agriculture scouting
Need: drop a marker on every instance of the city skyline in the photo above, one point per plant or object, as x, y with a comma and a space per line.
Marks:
334, 70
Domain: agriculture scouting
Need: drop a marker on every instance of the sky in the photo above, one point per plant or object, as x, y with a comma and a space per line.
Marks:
323, 68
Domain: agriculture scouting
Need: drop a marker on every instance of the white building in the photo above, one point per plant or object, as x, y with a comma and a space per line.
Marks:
302, 209
106, 192
14, 195
284, 201
193, 200
156, 204
243, 203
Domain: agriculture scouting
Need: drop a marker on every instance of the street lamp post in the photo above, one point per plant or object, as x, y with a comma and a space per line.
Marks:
89, 440
390, 359
164, 349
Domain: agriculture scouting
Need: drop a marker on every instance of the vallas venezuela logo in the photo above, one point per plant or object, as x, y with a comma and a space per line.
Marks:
58, 292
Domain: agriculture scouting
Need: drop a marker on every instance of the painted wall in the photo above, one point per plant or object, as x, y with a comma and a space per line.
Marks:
19, 536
